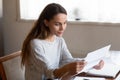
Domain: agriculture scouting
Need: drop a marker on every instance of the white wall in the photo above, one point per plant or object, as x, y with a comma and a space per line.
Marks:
1, 38
14, 31
83, 38
80, 38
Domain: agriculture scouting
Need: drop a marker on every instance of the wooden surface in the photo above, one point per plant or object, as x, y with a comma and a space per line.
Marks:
10, 56
106, 77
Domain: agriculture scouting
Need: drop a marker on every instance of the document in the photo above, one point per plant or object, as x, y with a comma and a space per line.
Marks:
109, 69
93, 58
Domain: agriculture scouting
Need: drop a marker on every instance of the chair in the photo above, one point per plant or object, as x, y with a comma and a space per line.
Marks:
10, 67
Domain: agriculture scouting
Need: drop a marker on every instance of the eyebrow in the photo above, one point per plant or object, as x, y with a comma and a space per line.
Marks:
60, 22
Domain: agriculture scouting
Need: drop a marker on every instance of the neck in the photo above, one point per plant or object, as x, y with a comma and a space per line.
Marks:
50, 38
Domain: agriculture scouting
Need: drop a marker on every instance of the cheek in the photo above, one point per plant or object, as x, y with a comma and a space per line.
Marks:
53, 29
65, 27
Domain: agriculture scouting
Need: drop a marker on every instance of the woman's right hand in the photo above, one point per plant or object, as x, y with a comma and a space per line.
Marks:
69, 70
75, 67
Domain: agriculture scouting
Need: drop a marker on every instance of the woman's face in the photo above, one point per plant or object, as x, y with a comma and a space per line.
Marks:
57, 25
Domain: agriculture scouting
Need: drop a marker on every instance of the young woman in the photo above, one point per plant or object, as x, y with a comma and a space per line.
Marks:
44, 52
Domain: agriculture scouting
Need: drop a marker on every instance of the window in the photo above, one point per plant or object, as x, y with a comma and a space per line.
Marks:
82, 10
1, 8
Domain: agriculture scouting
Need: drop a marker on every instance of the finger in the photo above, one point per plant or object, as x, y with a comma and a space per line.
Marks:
81, 62
101, 63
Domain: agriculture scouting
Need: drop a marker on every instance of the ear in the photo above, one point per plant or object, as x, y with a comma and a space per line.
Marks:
46, 22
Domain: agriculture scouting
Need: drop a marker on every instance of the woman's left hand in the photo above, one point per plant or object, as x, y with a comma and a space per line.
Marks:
99, 65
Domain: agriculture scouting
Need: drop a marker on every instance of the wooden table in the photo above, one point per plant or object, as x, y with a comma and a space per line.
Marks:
106, 77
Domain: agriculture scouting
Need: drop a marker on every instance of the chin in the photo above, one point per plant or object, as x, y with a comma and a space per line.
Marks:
59, 35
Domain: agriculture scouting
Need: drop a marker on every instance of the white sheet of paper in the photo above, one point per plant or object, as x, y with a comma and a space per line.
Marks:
93, 58
98, 54
109, 69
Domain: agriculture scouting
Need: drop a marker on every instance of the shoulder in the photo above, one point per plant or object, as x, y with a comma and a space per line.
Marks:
61, 39
36, 42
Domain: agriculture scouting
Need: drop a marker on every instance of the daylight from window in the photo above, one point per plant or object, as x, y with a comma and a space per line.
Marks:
82, 10
1, 8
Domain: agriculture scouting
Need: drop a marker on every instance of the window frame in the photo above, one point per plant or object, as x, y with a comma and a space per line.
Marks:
69, 22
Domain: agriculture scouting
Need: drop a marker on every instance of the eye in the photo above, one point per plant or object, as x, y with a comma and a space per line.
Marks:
57, 24
65, 22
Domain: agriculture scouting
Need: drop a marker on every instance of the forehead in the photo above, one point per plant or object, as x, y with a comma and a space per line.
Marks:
60, 17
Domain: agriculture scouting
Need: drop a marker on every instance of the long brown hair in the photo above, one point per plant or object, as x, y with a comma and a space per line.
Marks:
40, 30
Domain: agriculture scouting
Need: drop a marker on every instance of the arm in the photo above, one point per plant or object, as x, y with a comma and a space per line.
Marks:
66, 56
70, 65
40, 60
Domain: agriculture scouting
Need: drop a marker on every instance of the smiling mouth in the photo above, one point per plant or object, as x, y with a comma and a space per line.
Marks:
60, 32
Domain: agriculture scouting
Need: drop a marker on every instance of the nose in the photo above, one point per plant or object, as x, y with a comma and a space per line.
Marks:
62, 27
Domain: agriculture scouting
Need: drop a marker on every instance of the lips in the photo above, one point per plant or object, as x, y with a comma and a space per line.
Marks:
60, 32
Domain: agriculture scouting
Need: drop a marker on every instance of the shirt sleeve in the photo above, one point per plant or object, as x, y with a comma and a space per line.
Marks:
40, 61
66, 56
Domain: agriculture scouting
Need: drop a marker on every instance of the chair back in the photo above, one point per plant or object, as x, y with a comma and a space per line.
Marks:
10, 67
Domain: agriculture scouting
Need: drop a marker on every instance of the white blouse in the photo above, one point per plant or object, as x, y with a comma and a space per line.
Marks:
45, 57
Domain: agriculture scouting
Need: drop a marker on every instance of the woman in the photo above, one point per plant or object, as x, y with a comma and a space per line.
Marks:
44, 52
